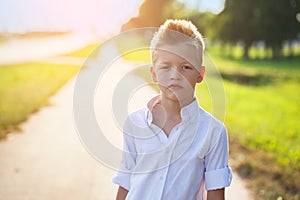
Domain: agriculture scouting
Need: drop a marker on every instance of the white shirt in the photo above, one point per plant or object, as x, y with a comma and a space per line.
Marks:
193, 159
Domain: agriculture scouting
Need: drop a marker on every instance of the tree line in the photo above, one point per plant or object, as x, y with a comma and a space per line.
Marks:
246, 22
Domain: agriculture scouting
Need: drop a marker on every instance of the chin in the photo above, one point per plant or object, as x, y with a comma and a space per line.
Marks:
185, 100
172, 97
179, 97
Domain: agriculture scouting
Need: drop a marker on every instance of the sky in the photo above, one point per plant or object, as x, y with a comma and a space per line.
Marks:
100, 16
214, 6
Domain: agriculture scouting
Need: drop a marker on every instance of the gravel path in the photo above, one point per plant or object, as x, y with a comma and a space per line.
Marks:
18, 50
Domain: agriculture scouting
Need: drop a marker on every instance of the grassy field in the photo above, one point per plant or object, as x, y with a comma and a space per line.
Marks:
263, 104
84, 52
236, 51
26, 87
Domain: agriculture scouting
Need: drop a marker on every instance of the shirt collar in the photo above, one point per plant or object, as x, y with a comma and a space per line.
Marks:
187, 112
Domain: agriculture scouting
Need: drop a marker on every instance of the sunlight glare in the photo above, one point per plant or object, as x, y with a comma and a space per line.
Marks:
99, 16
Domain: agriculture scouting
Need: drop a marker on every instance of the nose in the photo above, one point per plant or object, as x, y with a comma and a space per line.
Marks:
175, 74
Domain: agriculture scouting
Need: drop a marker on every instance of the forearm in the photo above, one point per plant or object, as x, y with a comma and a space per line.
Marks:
122, 193
216, 194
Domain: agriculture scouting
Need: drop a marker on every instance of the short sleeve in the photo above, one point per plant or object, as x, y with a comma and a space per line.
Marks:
217, 172
122, 177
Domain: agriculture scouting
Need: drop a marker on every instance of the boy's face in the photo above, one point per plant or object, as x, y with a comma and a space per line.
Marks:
175, 76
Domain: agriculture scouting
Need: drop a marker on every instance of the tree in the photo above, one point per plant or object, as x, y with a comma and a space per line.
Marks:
152, 13
271, 21
238, 22
278, 23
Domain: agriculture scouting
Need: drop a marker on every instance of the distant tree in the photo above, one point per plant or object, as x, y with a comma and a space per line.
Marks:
271, 21
202, 20
278, 23
152, 13
238, 22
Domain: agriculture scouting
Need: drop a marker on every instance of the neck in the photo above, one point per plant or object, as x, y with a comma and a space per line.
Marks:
174, 107
171, 107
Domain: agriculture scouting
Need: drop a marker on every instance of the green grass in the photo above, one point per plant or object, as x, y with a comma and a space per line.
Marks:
265, 120
26, 87
84, 52
91, 50
135, 55
140, 55
2, 39
236, 51
262, 118
282, 64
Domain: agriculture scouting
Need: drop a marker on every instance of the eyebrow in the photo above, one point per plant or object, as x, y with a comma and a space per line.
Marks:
164, 62
168, 62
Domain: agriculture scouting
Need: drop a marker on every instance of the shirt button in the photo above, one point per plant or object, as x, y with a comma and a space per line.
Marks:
161, 177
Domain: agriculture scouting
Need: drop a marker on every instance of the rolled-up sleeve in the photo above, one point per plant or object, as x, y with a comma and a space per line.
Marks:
217, 172
217, 179
122, 179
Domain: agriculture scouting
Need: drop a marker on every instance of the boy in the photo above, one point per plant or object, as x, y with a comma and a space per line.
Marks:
173, 149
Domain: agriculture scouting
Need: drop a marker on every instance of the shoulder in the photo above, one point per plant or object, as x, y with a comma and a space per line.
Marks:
138, 115
209, 120
136, 118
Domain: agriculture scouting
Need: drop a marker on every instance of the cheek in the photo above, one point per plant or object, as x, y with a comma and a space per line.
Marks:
161, 80
161, 75
190, 79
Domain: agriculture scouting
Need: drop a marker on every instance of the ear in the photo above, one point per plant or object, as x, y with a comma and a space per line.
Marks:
153, 74
201, 74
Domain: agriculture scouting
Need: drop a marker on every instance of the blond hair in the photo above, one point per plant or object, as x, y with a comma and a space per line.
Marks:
175, 31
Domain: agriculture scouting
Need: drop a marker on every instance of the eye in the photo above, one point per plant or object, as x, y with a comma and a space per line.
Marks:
164, 67
187, 67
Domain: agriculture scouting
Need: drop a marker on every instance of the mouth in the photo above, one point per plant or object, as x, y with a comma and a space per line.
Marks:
174, 87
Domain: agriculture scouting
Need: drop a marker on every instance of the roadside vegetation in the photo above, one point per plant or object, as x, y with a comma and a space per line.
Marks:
262, 116
84, 52
24, 88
